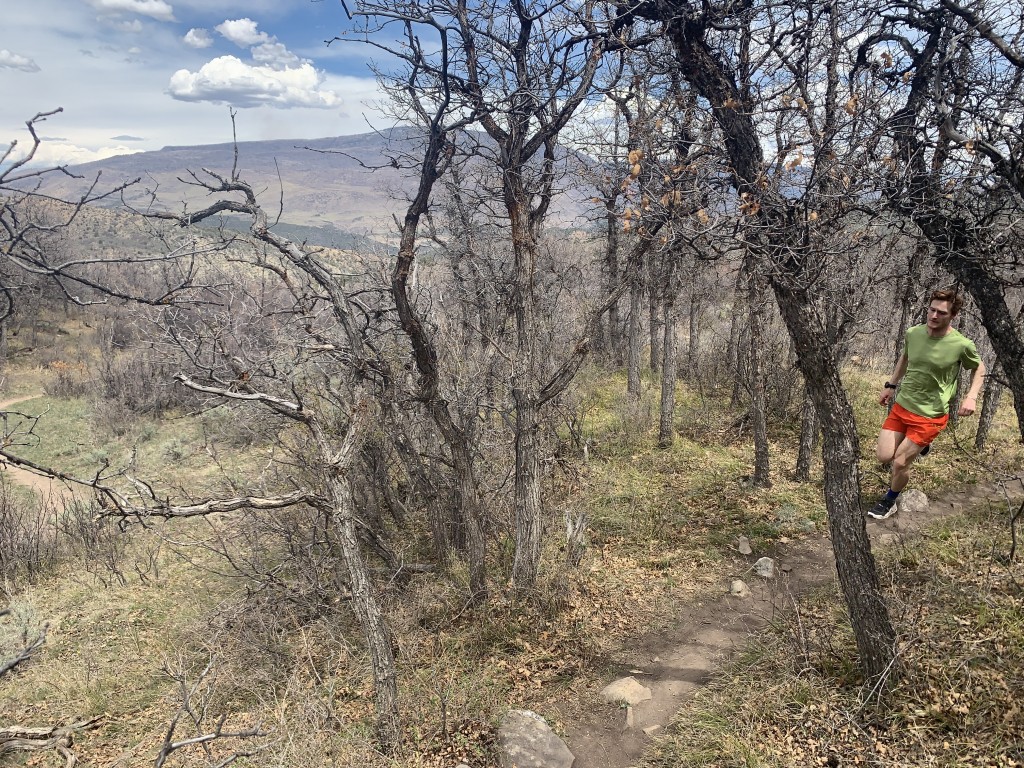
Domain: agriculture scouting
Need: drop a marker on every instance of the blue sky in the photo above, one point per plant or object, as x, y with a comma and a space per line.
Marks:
135, 75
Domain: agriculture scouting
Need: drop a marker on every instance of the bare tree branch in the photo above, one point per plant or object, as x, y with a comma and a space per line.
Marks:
25, 653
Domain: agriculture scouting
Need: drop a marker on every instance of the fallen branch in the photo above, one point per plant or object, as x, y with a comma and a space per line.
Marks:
18, 738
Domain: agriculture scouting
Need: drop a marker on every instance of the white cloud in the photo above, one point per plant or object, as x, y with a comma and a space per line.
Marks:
243, 32
198, 37
275, 56
228, 80
134, 26
9, 60
52, 154
156, 9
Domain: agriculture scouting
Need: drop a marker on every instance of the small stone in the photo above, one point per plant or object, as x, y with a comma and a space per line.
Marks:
630, 718
765, 568
650, 730
626, 690
787, 568
739, 588
888, 539
744, 546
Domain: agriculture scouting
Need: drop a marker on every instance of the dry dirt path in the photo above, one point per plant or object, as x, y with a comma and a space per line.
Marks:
676, 663
43, 486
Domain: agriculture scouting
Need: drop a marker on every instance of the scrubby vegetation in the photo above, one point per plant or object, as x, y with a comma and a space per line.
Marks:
135, 618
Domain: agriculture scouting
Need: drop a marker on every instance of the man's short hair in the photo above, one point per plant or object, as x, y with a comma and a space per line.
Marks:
953, 296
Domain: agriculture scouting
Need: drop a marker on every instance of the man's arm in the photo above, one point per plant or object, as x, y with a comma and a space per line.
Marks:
888, 393
970, 402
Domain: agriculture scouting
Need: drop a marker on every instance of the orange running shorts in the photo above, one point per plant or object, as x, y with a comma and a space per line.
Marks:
921, 429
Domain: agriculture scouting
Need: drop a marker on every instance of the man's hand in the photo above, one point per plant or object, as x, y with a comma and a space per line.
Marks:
886, 396
968, 407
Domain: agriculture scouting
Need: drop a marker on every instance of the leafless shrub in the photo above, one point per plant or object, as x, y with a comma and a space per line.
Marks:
222, 426
67, 380
141, 382
631, 417
119, 334
97, 543
22, 634
196, 713
37, 536
27, 544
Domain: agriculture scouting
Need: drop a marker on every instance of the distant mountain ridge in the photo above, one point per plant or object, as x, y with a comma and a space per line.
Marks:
333, 191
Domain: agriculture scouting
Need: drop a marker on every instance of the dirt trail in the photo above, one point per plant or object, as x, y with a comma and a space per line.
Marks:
43, 486
677, 663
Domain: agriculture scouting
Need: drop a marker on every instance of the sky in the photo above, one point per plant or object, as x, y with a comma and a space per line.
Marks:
138, 75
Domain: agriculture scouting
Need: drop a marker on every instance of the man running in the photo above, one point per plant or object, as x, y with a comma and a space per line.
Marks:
926, 375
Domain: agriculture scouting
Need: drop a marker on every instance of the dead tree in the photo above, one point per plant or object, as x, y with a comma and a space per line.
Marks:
709, 46
522, 72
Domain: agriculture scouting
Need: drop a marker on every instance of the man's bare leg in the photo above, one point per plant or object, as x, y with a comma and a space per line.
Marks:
888, 442
906, 453
895, 448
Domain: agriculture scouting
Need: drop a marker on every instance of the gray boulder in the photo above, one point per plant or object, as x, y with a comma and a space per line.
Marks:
526, 741
913, 502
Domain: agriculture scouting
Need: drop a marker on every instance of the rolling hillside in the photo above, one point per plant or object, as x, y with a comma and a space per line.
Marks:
332, 191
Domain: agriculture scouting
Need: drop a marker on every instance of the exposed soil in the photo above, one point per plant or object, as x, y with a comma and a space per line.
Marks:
676, 663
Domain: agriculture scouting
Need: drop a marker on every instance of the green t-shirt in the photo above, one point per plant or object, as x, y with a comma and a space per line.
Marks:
933, 366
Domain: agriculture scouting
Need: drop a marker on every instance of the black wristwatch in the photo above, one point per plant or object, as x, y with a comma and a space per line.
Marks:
890, 385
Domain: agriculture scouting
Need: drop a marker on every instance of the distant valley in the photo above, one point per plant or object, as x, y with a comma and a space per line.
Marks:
339, 192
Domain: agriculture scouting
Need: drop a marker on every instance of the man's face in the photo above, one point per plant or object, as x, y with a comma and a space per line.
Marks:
939, 315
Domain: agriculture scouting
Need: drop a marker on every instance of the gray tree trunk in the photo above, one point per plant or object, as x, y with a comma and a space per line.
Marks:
989, 406
613, 348
701, 65
666, 421
858, 577
809, 433
655, 291
693, 345
908, 296
755, 315
527, 493
732, 351
365, 603
633, 357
